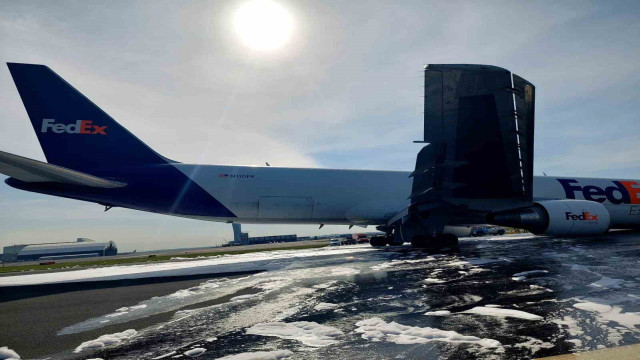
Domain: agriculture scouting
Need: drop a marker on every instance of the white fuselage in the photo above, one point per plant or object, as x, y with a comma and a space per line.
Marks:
275, 195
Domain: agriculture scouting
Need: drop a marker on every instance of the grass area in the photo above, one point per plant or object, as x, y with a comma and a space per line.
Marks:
147, 258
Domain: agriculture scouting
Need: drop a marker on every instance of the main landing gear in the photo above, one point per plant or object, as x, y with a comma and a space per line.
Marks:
379, 241
418, 241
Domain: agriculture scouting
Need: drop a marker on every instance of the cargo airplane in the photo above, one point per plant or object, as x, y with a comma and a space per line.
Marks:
476, 117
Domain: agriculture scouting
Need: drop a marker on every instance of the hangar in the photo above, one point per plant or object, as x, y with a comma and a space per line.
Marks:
83, 247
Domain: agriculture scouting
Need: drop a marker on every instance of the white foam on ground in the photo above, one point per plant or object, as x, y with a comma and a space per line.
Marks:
244, 297
209, 290
308, 333
197, 290
325, 285
466, 299
604, 282
538, 287
576, 342
232, 263
433, 281
572, 325
260, 355
195, 352
326, 306
181, 258
500, 312
106, 340
393, 263
376, 329
607, 283
116, 314
438, 313
475, 262
8, 354
611, 313
287, 313
534, 344
532, 272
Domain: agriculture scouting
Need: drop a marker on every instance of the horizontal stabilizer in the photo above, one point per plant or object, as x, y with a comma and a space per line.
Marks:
31, 171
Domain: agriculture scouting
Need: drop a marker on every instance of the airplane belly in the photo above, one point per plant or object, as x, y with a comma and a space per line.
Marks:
285, 207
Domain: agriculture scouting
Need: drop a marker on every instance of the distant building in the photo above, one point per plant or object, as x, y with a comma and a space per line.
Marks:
242, 238
271, 239
62, 250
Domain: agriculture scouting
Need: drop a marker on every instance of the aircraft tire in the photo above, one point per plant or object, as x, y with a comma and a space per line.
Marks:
378, 241
422, 242
391, 240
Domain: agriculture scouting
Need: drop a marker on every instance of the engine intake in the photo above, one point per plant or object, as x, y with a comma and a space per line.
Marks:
557, 218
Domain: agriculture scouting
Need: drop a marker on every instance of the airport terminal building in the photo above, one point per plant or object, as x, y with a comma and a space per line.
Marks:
83, 247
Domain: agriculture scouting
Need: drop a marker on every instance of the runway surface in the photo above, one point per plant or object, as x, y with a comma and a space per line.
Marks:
509, 297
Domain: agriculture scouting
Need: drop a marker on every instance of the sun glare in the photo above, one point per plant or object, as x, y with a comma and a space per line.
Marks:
263, 24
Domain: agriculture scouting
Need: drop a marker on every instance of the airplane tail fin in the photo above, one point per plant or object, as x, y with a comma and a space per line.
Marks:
73, 131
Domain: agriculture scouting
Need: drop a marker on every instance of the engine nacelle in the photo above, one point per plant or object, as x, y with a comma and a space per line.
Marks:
558, 218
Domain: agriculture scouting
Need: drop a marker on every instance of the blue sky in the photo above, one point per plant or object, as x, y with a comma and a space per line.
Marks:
345, 92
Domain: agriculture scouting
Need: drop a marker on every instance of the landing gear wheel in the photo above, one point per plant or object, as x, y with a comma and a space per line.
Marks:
378, 241
422, 242
390, 240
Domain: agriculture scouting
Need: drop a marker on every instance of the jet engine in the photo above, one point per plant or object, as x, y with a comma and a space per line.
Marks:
557, 218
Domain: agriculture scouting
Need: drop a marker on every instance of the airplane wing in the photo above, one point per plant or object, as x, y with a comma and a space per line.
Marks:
479, 125
32, 171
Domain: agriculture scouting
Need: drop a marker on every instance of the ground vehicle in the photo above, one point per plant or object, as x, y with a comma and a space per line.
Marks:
480, 231
349, 241
360, 238
335, 242
487, 230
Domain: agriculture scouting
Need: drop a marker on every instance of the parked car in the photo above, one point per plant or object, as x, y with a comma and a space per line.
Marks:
349, 241
480, 231
496, 230
334, 242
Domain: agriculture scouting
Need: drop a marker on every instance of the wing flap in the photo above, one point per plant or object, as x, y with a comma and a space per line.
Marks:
32, 171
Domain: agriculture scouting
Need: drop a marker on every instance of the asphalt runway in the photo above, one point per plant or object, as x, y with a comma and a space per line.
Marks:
510, 297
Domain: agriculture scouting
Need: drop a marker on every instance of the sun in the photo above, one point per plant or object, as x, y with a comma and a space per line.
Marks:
263, 24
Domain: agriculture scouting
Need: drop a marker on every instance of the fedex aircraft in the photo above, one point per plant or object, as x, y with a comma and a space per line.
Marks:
476, 117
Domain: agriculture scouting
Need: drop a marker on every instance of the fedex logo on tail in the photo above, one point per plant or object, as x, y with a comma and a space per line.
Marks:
621, 192
79, 127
